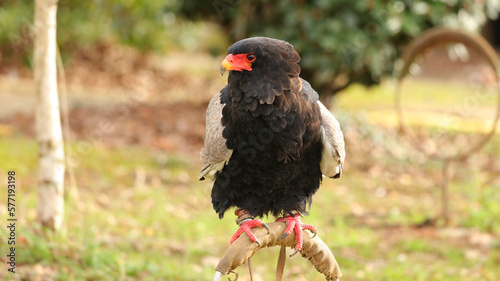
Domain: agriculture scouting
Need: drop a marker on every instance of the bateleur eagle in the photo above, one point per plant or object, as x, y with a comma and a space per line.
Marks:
268, 138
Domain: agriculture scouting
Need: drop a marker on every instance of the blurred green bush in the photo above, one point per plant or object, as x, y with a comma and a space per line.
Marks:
344, 41
340, 41
146, 25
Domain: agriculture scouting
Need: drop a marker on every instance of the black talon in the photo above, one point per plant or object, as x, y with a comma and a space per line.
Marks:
266, 227
257, 241
294, 253
284, 235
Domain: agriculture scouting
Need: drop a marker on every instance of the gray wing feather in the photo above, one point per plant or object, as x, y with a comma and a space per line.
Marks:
215, 154
333, 155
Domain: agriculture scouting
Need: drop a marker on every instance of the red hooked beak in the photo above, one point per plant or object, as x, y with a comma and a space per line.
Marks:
237, 62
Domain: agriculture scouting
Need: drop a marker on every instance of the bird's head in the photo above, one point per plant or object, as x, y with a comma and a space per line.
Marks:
270, 61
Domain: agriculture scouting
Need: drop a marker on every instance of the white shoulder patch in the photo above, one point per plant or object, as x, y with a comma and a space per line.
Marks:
329, 164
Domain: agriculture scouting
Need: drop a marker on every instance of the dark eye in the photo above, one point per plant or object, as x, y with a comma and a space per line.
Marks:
251, 57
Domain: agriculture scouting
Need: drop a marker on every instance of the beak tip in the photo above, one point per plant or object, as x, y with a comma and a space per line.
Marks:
222, 70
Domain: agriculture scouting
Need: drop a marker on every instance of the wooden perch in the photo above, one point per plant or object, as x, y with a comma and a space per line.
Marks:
314, 249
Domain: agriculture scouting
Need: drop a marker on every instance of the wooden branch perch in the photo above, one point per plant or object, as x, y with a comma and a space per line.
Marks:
314, 249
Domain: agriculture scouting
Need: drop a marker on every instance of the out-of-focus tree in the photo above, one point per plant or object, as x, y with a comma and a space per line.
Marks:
343, 41
51, 166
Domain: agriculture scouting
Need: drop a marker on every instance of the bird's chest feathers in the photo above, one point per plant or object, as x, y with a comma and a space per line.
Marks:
252, 115
265, 131
251, 91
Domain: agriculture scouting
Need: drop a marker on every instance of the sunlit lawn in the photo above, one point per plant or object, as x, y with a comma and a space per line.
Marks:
139, 215
456, 106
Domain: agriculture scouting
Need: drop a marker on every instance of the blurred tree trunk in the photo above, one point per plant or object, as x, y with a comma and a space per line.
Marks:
50, 208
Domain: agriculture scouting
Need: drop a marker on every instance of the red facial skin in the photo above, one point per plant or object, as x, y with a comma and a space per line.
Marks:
239, 62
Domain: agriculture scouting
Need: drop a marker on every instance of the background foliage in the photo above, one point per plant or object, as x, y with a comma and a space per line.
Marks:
149, 26
340, 41
349, 41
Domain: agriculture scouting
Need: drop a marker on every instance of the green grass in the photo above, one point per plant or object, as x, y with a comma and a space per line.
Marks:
455, 107
165, 229
142, 215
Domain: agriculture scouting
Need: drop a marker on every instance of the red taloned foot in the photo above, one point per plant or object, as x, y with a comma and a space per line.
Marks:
294, 223
246, 227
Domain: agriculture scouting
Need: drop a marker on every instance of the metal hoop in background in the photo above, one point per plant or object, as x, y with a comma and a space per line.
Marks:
432, 38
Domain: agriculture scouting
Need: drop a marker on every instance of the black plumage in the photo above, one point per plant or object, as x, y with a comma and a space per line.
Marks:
272, 123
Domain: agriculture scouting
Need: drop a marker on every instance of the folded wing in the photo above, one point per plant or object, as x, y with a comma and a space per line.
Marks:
333, 154
214, 154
